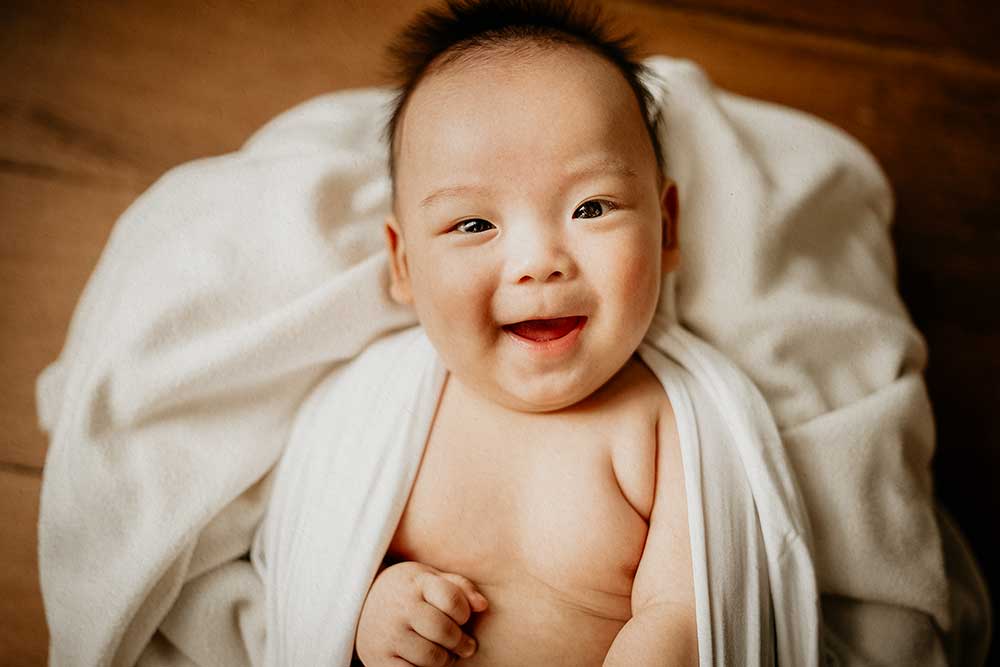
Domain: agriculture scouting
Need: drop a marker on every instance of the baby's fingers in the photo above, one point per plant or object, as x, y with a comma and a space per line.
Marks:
476, 599
423, 653
446, 596
432, 624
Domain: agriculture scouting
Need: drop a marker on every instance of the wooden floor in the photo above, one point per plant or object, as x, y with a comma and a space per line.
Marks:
100, 98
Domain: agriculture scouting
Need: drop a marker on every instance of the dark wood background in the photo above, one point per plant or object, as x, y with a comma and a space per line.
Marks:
100, 98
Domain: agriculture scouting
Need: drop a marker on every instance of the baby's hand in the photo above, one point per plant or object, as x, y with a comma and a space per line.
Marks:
412, 616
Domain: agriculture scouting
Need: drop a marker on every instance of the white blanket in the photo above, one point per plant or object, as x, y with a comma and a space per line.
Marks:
232, 287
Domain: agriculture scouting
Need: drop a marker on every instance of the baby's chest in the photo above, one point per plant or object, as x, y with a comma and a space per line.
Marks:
508, 502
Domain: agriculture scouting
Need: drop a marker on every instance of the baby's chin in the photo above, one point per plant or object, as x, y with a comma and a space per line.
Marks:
540, 398
538, 406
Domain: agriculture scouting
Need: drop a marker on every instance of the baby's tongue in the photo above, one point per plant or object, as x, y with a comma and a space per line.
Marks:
543, 330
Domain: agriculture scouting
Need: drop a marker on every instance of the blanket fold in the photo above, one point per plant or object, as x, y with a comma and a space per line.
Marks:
236, 284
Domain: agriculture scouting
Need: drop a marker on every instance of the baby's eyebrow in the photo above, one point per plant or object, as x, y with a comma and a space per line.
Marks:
453, 191
599, 166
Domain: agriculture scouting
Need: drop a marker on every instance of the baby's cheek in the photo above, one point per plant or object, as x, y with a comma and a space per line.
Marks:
459, 295
640, 279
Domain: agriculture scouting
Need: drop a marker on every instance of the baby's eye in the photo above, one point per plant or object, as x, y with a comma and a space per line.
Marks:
474, 226
594, 208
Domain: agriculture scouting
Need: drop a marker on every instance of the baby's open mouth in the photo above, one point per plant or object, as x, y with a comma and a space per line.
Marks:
545, 330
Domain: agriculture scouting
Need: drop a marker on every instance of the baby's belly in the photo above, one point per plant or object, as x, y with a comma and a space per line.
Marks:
555, 553
540, 618
528, 624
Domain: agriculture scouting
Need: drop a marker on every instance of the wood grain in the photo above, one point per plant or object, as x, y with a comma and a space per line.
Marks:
23, 636
124, 91
55, 232
966, 26
101, 98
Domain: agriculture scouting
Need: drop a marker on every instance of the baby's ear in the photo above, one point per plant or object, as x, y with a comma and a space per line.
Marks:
399, 273
670, 216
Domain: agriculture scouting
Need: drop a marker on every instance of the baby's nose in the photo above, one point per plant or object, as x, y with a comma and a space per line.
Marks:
540, 275
540, 256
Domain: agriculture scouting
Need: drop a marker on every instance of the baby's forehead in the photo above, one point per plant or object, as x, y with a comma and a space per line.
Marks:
563, 98
497, 66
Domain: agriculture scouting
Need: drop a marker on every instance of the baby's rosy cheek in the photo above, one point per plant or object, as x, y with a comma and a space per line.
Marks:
639, 275
459, 292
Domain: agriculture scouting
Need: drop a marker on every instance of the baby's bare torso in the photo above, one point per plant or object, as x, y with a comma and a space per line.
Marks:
546, 513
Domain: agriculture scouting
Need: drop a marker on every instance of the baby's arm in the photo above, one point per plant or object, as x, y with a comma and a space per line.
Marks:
412, 616
662, 630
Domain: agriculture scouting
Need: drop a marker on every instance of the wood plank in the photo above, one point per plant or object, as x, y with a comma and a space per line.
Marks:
127, 90
23, 635
52, 236
968, 27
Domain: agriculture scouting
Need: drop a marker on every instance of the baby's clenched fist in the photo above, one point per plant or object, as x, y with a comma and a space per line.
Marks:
412, 616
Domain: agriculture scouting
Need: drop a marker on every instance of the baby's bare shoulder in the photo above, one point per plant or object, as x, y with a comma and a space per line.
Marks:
643, 420
648, 394
634, 389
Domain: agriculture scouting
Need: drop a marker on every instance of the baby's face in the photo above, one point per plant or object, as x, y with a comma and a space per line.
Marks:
527, 189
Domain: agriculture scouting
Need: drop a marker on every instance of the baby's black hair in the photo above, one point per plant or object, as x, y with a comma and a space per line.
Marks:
458, 30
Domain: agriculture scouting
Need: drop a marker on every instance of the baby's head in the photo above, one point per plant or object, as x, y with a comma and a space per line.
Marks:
527, 185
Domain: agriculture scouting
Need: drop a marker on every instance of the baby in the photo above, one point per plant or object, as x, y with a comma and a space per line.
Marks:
532, 226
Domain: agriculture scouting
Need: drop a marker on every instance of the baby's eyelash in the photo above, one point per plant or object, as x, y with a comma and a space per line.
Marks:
607, 207
459, 225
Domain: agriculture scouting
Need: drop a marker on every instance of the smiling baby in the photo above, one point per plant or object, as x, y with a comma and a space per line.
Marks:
532, 226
